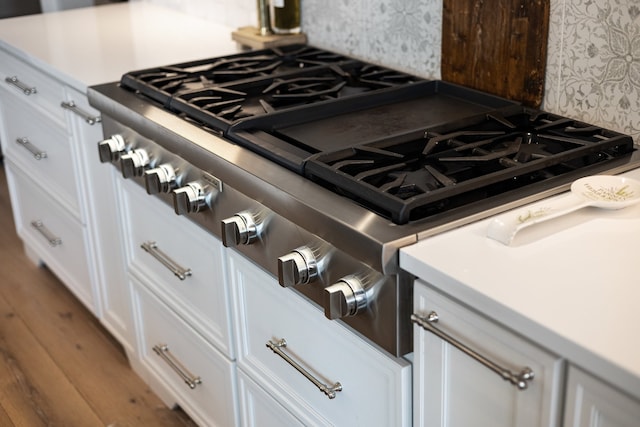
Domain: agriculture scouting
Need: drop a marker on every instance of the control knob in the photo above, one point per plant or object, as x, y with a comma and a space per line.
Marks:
297, 267
161, 179
346, 297
133, 163
240, 229
111, 148
189, 199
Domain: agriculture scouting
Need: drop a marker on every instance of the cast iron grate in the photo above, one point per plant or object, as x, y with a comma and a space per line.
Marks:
413, 176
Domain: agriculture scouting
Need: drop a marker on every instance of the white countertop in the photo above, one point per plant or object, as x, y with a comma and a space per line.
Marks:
571, 284
88, 46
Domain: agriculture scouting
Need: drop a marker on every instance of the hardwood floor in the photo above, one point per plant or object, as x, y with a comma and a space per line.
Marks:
58, 365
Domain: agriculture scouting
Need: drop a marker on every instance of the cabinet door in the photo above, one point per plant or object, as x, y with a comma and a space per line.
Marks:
593, 403
284, 341
454, 389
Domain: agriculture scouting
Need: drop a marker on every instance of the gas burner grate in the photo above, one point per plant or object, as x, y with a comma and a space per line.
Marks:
161, 83
412, 176
222, 105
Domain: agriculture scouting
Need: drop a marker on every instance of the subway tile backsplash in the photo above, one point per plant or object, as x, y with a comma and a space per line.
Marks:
593, 64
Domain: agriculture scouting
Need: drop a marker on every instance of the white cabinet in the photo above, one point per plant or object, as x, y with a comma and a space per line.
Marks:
453, 388
591, 402
321, 372
49, 134
184, 263
57, 238
181, 366
181, 301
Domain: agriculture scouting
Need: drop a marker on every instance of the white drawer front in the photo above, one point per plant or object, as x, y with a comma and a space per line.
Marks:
43, 150
258, 409
59, 239
375, 387
211, 397
31, 85
202, 296
452, 388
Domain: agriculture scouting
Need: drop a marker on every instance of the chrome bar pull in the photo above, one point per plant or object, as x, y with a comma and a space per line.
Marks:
329, 391
71, 106
520, 379
191, 380
37, 153
179, 271
27, 90
52, 238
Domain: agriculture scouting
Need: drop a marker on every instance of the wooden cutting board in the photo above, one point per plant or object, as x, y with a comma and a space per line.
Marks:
497, 46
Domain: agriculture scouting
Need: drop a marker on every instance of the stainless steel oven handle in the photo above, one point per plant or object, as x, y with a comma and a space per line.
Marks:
191, 380
71, 106
27, 90
38, 154
329, 391
52, 238
520, 379
180, 272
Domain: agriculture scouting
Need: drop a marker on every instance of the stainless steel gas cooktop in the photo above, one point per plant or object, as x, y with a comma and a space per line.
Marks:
319, 167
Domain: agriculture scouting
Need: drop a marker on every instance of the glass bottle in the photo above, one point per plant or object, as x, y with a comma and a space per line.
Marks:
285, 16
264, 24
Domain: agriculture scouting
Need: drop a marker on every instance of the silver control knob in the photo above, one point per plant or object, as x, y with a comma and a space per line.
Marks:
160, 180
347, 297
189, 199
110, 149
297, 267
240, 229
133, 163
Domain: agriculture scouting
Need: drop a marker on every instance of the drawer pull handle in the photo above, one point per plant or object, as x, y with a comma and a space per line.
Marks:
37, 153
52, 238
520, 380
71, 106
152, 248
23, 87
191, 380
277, 347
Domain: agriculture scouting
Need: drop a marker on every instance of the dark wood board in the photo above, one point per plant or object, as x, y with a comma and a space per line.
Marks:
497, 46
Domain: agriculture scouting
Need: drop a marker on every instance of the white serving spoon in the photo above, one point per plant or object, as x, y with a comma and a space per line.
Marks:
602, 191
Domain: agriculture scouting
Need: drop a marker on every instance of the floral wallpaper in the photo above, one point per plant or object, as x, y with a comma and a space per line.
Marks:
404, 34
593, 69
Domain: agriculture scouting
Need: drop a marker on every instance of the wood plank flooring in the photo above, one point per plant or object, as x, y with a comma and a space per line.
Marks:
58, 365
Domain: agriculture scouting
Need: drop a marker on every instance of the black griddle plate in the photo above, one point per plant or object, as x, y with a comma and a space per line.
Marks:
291, 137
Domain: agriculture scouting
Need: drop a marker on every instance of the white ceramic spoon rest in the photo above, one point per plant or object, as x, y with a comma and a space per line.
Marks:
602, 191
